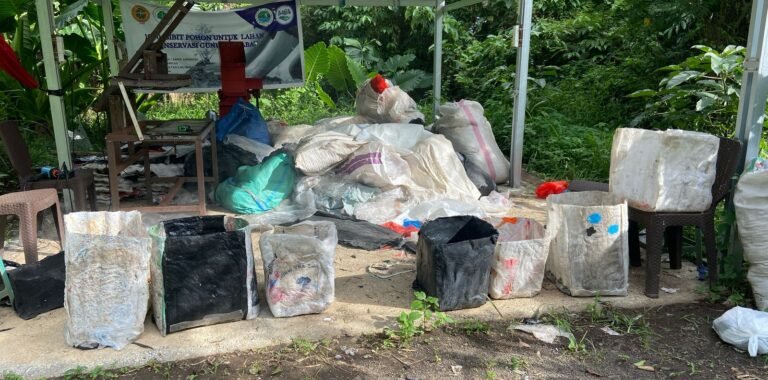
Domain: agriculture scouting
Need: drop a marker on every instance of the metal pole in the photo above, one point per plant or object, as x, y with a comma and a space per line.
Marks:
438, 64
53, 83
109, 28
521, 93
754, 94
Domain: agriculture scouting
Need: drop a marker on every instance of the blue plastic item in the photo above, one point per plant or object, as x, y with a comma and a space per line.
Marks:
243, 119
259, 188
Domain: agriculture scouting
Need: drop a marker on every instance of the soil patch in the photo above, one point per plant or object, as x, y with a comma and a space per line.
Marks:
664, 342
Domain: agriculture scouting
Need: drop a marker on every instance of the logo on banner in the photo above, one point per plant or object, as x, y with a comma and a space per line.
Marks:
284, 15
140, 14
264, 17
160, 13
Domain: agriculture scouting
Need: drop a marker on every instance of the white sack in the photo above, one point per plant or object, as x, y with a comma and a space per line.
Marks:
519, 259
259, 149
320, 153
341, 121
464, 124
377, 165
435, 167
751, 203
295, 133
589, 252
107, 278
744, 328
298, 267
391, 106
672, 170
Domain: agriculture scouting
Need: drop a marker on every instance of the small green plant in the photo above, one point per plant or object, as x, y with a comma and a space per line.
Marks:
517, 363
303, 346
423, 309
472, 327
255, 369
12, 376
595, 310
490, 372
75, 373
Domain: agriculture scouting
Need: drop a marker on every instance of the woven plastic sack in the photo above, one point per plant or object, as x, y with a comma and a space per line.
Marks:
202, 272
298, 268
295, 133
453, 261
744, 328
519, 259
403, 137
465, 125
671, 170
320, 153
377, 165
342, 121
751, 203
107, 278
435, 167
589, 252
391, 106
259, 188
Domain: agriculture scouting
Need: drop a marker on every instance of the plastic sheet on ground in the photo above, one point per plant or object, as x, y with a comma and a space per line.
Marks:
544, 333
589, 252
107, 258
672, 170
202, 272
298, 267
744, 328
361, 234
453, 261
464, 124
519, 259
38, 287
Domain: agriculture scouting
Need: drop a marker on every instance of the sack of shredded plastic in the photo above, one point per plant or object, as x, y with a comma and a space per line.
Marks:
744, 328
298, 267
519, 259
202, 272
751, 204
107, 278
435, 167
465, 125
377, 165
320, 153
295, 133
377, 99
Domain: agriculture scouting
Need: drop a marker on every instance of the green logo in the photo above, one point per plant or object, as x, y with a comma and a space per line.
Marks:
160, 13
264, 17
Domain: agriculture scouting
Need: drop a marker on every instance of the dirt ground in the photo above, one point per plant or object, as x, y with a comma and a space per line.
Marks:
673, 341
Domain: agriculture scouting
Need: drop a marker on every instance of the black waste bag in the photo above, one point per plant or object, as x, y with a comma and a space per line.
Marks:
484, 183
361, 234
453, 260
202, 272
230, 157
38, 287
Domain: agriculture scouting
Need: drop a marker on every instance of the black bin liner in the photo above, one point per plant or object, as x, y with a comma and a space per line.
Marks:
484, 183
38, 287
453, 261
207, 273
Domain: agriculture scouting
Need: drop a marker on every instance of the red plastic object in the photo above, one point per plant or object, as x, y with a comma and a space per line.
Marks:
548, 188
405, 231
379, 84
10, 63
234, 84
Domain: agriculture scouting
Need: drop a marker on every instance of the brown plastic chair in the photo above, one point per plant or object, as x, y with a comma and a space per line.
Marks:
26, 205
81, 182
669, 225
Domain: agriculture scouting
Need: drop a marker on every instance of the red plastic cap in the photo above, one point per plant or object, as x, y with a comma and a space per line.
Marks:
379, 84
548, 188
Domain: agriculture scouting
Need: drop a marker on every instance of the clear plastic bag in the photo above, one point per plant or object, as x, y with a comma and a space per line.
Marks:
107, 278
744, 328
298, 267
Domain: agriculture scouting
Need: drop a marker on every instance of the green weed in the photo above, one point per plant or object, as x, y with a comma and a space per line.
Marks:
303, 346
423, 317
517, 363
12, 376
474, 327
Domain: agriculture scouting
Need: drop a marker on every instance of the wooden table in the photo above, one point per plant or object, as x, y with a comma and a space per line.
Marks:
163, 133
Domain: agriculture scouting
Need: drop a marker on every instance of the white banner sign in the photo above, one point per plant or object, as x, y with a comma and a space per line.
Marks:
271, 32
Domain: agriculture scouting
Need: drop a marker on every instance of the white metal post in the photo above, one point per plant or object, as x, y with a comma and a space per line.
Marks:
524, 14
438, 64
53, 83
109, 28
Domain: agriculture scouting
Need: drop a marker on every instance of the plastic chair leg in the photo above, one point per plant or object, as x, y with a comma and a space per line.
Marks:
57, 220
28, 235
673, 237
634, 244
711, 248
654, 243
92, 196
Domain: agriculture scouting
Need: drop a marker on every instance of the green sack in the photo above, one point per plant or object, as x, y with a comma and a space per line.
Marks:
259, 188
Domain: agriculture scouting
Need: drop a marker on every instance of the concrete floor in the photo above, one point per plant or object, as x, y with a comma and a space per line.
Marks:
364, 304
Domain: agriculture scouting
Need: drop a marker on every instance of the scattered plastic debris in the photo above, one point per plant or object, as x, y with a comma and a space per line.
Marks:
544, 333
610, 331
670, 290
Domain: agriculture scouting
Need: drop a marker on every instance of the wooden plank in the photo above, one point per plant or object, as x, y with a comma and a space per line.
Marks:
168, 198
173, 208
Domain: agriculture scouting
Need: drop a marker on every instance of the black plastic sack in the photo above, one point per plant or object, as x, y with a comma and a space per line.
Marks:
202, 272
479, 178
453, 261
362, 234
230, 157
38, 287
